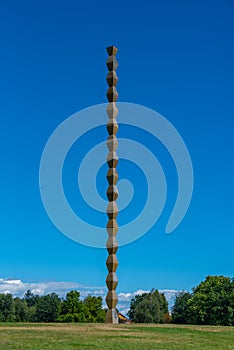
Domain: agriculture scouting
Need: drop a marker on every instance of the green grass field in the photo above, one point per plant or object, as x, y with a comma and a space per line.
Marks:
102, 336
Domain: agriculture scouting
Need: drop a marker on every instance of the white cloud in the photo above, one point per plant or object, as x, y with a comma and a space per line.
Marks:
18, 288
12, 281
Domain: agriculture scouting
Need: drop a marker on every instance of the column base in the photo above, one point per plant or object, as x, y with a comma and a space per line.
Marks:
112, 316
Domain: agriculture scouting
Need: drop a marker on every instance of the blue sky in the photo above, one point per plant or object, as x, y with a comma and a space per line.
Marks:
175, 57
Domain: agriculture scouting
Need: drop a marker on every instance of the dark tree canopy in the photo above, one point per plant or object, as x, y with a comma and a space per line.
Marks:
21, 310
7, 308
180, 310
50, 308
47, 308
30, 298
210, 303
149, 308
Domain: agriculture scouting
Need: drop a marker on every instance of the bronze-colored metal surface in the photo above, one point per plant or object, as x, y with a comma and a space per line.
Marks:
112, 192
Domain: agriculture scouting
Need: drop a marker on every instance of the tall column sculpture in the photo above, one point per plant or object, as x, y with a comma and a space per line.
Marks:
112, 192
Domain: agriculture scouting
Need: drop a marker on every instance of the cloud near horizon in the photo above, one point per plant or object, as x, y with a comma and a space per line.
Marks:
18, 288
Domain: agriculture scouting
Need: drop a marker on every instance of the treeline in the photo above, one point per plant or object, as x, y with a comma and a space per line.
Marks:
50, 308
210, 303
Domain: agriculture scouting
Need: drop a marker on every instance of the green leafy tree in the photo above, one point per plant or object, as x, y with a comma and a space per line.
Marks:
212, 302
72, 308
7, 308
30, 298
149, 308
31, 301
47, 308
21, 310
31, 314
93, 309
180, 310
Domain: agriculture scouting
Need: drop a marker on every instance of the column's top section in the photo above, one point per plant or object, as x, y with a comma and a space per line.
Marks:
112, 50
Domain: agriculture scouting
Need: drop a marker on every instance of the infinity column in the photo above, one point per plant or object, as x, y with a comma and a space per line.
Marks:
112, 192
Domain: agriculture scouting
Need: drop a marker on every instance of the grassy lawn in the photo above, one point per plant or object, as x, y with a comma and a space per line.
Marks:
101, 336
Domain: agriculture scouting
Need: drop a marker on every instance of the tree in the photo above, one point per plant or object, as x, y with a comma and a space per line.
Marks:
180, 310
212, 302
72, 308
31, 301
7, 308
30, 298
93, 309
149, 308
47, 308
21, 310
